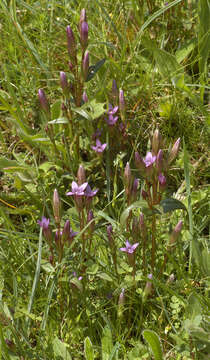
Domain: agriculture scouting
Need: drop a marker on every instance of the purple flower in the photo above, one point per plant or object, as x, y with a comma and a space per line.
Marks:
162, 179
84, 34
149, 159
77, 190
84, 97
112, 119
99, 148
90, 193
72, 234
43, 101
44, 223
129, 249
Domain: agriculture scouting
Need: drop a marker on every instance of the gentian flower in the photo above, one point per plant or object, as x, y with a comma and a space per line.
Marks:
77, 190
112, 119
129, 248
149, 159
99, 148
90, 193
44, 223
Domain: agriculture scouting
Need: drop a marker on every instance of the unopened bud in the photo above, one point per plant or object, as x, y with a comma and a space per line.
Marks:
148, 287
83, 16
174, 151
84, 97
127, 174
122, 104
84, 34
85, 65
56, 206
64, 83
159, 161
121, 302
175, 233
144, 194
110, 234
90, 218
66, 231
134, 189
156, 141
81, 178
162, 182
140, 163
43, 101
71, 44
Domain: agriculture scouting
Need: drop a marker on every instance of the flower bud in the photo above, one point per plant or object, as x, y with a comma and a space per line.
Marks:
121, 302
56, 207
159, 161
84, 97
156, 141
148, 287
134, 189
90, 218
85, 65
140, 163
144, 194
122, 104
175, 233
81, 178
174, 151
71, 44
127, 174
84, 34
44, 102
66, 231
64, 83
83, 16
162, 182
110, 235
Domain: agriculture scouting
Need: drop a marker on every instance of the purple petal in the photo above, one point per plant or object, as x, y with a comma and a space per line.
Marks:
74, 186
124, 249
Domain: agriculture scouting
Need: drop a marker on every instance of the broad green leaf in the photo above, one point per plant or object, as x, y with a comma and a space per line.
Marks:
172, 204
167, 63
88, 348
60, 349
82, 112
185, 50
106, 343
105, 276
93, 269
154, 342
94, 109
56, 110
76, 282
94, 68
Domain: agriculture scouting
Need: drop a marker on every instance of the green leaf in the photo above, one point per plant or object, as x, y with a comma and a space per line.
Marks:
105, 276
60, 349
167, 63
106, 343
92, 269
55, 109
142, 204
83, 113
94, 68
88, 347
154, 342
185, 50
77, 283
60, 120
171, 205
204, 35
95, 109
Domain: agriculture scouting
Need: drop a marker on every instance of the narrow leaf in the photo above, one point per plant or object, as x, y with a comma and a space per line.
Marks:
89, 353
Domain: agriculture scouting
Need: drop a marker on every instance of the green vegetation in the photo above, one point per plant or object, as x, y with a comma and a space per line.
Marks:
104, 197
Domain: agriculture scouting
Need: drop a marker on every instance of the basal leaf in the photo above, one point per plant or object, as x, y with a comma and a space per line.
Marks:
88, 348
60, 349
154, 342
